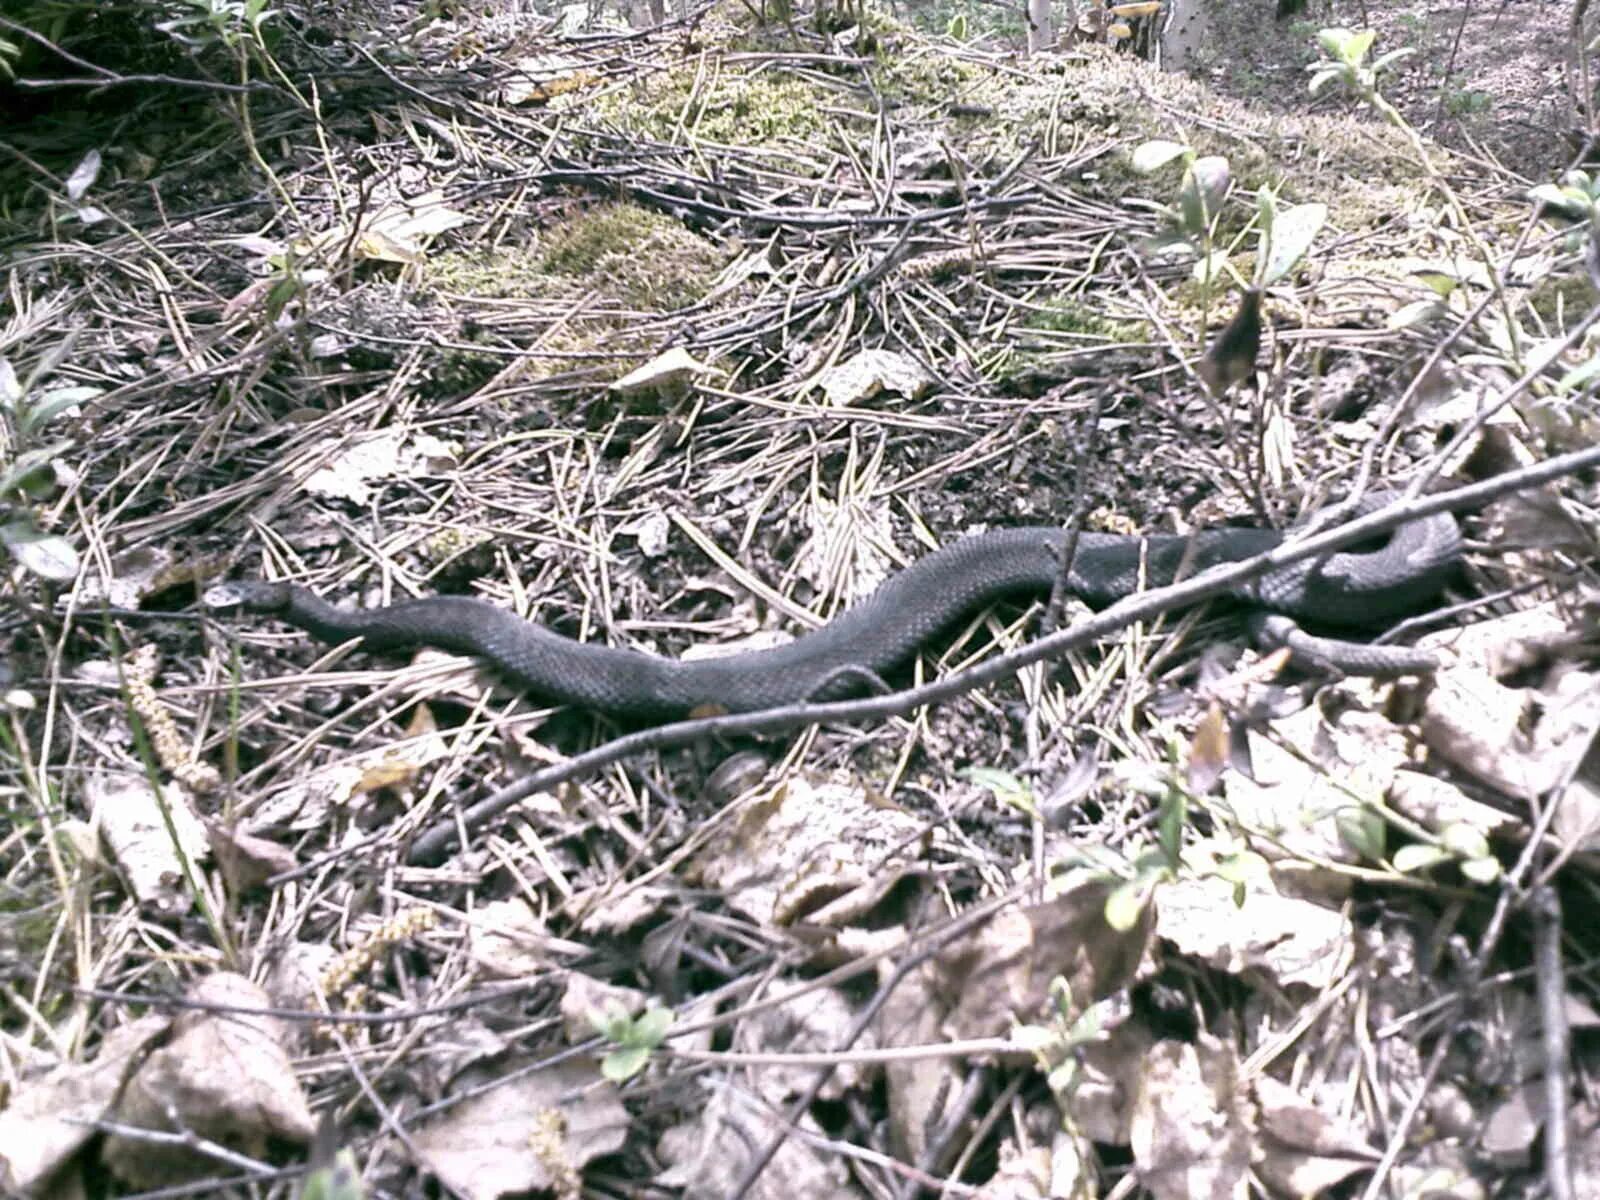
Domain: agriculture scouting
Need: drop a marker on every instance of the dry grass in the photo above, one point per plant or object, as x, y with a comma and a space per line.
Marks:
421, 411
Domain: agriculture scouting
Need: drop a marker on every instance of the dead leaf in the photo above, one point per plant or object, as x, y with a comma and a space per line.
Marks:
223, 1075
247, 861
506, 940
865, 375
668, 374
707, 1156
816, 1019
1287, 939
536, 78
998, 975
1022, 1175
1523, 741
1191, 1125
50, 1118
135, 830
309, 798
525, 1134
1002, 973
1302, 1150
823, 852
350, 464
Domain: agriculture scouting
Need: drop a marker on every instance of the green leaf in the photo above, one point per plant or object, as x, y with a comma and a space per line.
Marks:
1481, 870
1126, 904
1174, 815
339, 1181
1355, 50
1334, 41
1418, 856
1242, 866
1580, 375
623, 1063
1363, 831
1292, 235
613, 1022
1464, 841
1323, 78
1418, 312
1266, 208
45, 554
1388, 60
54, 402
1171, 244
1153, 155
651, 1028
18, 474
1006, 787
1211, 268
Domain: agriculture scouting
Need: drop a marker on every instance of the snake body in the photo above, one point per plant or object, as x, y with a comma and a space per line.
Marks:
1346, 591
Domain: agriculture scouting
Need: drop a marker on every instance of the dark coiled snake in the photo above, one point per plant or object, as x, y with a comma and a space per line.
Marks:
1348, 591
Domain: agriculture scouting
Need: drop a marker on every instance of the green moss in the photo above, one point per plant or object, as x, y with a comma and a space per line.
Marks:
1069, 314
629, 255
730, 108
641, 258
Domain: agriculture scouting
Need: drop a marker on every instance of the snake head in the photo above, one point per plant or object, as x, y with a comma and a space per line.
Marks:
249, 595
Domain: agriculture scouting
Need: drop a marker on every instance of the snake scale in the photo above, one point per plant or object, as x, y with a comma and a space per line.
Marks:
1354, 590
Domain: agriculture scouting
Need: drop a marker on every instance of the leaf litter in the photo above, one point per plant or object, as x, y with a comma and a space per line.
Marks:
742, 340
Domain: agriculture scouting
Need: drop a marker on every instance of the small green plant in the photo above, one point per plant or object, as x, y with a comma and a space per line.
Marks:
1461, 844
1283, 236
1054, 1045
633, 1038
1467, 102
1574, 202
29, 464
201, 24
1006, 788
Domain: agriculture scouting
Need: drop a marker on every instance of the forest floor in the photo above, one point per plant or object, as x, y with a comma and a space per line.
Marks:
687, 337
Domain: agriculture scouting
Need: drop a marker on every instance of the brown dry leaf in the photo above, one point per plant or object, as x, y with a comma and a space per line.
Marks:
350, 464
50, 1118
1002, 972
1023, 1175
140, 573
537, 78
668, 374
1301, 797
814, 1020
1437, 804
1523, 741
399, 232
506, 940
306, 802
1209, 750
996, 976
1290, 940
706, 1158
823, 852
1303, 1151
131, 822
1513, 1124
532, 1133
865, 375
247, 861
1109, 1067
223, 1075
1191, 1126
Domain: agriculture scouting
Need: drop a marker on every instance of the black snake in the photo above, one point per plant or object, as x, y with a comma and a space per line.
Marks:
1357, 590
